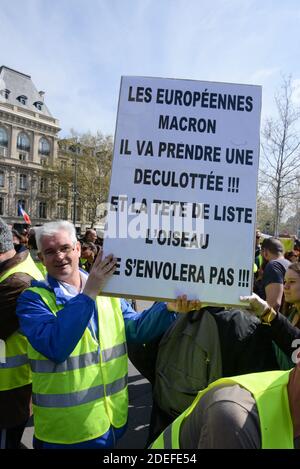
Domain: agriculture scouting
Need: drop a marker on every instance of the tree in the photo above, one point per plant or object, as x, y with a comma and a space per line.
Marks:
281, 153
86, 175
265, 215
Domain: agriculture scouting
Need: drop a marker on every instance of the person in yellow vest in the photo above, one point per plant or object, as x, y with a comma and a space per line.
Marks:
88, 253
16, 272
77, 344
252, 411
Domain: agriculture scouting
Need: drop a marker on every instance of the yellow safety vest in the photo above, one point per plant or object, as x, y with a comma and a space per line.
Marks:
79, 399
269, 390
15, 371
41, 268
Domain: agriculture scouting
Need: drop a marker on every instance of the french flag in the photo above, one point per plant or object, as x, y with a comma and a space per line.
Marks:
22, 213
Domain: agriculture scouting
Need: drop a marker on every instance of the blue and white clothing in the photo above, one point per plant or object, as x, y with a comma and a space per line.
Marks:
56, 336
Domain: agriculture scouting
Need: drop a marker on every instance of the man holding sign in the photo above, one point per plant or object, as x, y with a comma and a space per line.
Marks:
77, 348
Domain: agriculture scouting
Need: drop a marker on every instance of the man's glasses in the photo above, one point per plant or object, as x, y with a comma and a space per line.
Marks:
63, 250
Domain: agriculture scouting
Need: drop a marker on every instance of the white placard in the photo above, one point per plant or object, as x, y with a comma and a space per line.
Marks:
183, 189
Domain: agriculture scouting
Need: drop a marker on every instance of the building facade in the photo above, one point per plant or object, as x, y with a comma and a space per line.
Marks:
28, 149
38, 171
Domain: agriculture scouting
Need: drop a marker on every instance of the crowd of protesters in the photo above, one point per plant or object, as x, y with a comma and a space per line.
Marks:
66, 353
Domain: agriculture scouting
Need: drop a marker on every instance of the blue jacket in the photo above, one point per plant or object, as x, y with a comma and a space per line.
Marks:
56, 336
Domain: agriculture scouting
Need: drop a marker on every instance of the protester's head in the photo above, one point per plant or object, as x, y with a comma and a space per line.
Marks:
292, 285
271, 248
297, 244
6, 238
90, 235
292, 256
31, 240
18, 238
88, 251
58, 249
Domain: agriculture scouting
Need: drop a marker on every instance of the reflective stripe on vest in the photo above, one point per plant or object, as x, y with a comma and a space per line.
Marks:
14, 362
269, 390
15, 372
114, 352
79, 399
80, 361
71, 363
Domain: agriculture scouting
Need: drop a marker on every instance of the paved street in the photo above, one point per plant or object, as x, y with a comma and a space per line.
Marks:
139, 408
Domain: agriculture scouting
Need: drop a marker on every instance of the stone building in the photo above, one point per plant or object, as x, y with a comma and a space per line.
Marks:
38, 171
28, 149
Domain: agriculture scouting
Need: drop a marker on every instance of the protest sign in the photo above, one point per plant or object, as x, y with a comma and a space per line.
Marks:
182, 201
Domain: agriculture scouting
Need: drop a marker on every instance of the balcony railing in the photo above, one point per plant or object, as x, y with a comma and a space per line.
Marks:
3, 151
44, 152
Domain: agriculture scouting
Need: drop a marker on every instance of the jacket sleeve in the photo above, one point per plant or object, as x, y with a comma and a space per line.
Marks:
283, 333
148, 325
10, 289
55, 337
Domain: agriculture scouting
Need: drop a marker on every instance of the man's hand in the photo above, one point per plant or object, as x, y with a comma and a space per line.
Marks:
101, 271
182, 305
258, 306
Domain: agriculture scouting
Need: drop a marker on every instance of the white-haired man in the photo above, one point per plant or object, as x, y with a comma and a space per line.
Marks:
77, 345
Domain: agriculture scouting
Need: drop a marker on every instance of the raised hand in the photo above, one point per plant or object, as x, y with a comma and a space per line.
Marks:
101, 271
257, 305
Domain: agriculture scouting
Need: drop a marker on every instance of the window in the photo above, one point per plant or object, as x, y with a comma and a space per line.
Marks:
90, 215
23, 142
5, 93
44, 147
23, 182
62, 190
75, 149
22, 99
1, 205
2, 180
42, 210
3, 137
38, 105
61, 212
43, 185
22, 203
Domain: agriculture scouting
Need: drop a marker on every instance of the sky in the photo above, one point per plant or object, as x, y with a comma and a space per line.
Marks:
77, 50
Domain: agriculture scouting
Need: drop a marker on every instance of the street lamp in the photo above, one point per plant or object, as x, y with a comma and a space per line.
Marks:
75, 148
75, 187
